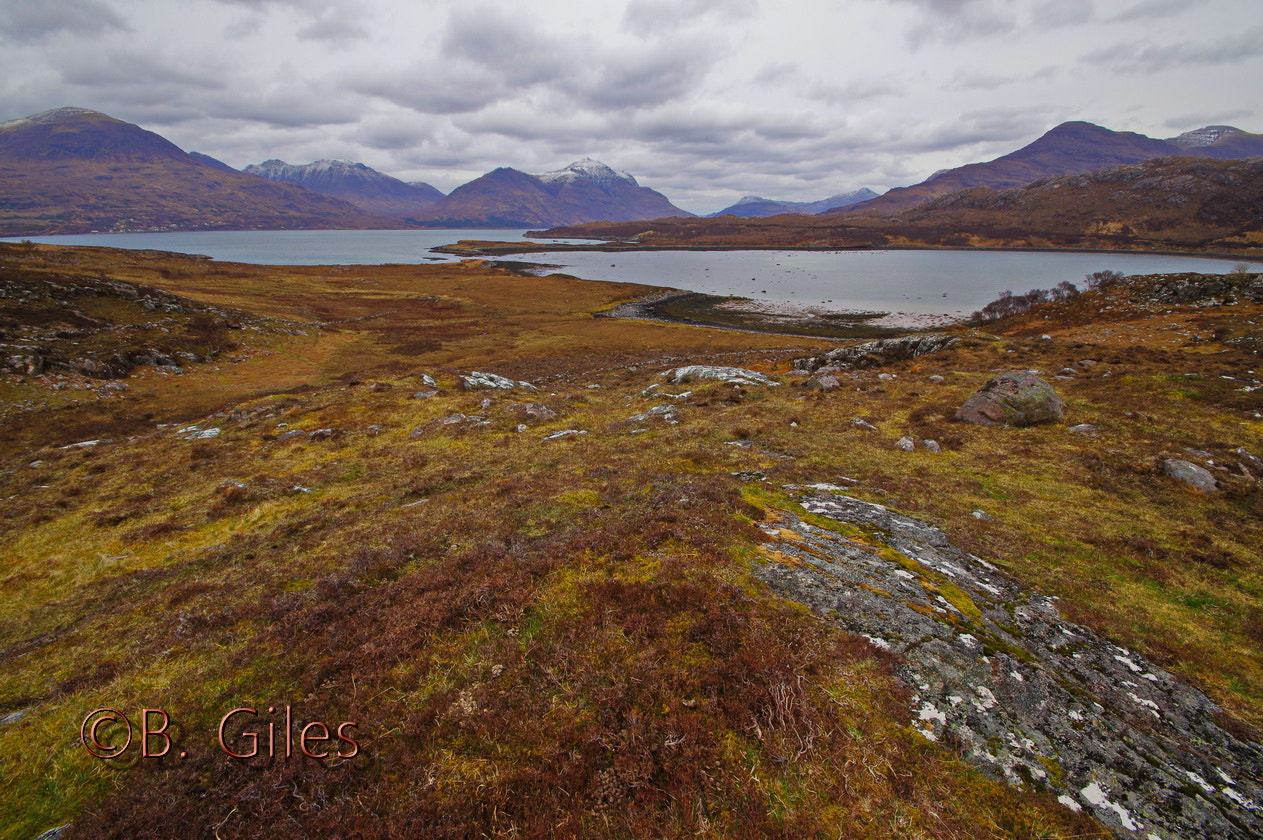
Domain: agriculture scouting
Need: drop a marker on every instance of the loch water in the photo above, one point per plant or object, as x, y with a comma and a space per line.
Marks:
918, 282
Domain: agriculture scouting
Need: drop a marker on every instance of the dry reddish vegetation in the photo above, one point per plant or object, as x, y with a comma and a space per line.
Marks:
1176, 204
563, 638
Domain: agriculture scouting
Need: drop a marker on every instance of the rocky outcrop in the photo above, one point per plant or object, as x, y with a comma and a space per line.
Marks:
741, 376
878, 353
1013, 398
477, 380
996, 672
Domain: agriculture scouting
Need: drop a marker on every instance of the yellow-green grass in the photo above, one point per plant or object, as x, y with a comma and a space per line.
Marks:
607, 575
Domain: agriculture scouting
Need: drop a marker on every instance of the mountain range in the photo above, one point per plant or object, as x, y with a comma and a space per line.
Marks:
753, 206
366, 188
72, 170
586, 189
1068, 149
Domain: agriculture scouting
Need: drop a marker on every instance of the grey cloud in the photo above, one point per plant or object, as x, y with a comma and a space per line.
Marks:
654, 17
1148, 57
1188, 122
953, 20
776, 73
1056, 13
663, 74
334, 29
25, 20
1154, 9
516, 53
854, 91
487, 58
432, 87
110, 69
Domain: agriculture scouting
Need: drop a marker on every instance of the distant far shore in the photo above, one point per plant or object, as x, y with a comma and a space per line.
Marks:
478, 248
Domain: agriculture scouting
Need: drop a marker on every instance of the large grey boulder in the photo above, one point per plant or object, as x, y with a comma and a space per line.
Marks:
1013, 398
877, 353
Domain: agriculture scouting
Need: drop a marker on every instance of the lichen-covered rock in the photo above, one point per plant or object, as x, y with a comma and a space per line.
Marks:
1013, 398
479, 380
689, 373
994, 670
1190, 475
877, 353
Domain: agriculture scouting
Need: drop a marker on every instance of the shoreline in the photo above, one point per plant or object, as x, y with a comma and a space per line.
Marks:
744, 315
611, 246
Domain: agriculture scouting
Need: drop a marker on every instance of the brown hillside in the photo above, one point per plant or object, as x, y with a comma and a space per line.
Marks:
72, 170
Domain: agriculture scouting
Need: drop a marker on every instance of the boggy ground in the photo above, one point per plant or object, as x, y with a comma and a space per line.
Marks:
566, 636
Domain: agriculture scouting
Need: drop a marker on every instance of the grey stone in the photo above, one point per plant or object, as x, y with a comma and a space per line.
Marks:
565, 433
906, 443
822, 382
291, 434
479, 380
536, 411
932, 446
424, 395
320, 434
690, 373
1084, 429
861, 423
1190, 475
1013, 398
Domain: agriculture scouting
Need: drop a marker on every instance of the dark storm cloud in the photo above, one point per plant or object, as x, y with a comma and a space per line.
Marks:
1148, 57
655, 17
27, 20
1154, 9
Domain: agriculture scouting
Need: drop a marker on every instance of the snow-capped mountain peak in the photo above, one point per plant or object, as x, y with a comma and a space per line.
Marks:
1204, 136
587, 169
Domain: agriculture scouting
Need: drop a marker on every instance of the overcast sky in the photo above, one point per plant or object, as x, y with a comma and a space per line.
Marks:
704, 100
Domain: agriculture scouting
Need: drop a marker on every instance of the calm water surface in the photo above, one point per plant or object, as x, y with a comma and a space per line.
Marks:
947, 282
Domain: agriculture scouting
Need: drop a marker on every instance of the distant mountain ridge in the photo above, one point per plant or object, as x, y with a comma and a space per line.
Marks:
753, 206
365, 187
74, 170
1068, 149
585, 191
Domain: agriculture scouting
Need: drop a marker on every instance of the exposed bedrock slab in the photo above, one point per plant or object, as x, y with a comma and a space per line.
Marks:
997, 673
